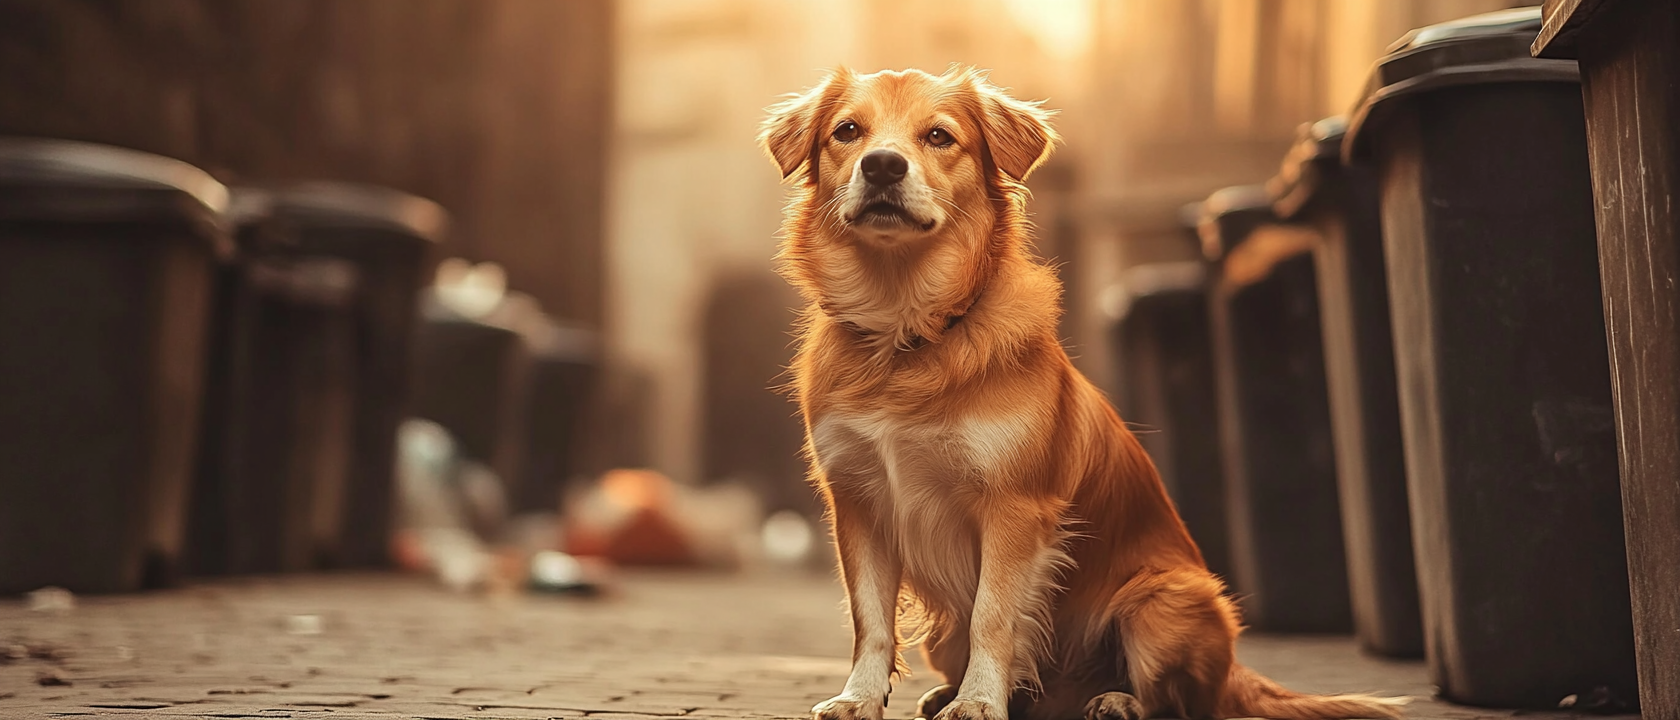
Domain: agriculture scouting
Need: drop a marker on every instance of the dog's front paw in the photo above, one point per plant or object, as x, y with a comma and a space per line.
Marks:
848, 708
965, 709
1114, 706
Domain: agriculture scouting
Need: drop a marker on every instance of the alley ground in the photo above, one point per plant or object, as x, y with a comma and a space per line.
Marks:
399, 647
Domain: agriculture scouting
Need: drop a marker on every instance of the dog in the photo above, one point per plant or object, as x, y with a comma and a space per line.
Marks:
986, 500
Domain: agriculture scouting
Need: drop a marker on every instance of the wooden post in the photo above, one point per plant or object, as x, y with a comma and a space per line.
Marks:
1629, 52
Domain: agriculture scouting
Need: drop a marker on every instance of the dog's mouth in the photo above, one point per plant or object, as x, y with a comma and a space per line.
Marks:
886, 214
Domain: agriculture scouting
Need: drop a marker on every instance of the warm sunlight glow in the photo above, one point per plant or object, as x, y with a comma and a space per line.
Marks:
1062, 27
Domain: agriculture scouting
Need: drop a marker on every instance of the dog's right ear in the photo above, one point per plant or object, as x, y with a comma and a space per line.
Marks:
789, 134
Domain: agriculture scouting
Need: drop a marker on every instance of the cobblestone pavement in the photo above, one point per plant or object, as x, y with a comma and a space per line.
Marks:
386, 646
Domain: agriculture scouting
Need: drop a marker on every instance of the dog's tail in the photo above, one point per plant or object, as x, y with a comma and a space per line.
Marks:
1249, 694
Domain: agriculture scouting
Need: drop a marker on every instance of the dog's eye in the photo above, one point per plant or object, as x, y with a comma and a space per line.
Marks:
847, 131
939, 137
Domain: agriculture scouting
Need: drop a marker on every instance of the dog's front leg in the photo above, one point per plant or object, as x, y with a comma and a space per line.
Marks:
872, 572
1018, 555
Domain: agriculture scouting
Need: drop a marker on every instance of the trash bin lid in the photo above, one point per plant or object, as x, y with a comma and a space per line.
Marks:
1480, 49
1229, 215
547, 339
66, 180
249, 204
552, 341
309, 280
1140, 283
1317, 152
348, 205
256, 231
1566, 21
434, 310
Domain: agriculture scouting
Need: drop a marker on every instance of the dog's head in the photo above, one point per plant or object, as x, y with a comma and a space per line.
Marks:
900, 155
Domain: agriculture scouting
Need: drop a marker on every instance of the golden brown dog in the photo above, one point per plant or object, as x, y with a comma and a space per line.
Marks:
986, 499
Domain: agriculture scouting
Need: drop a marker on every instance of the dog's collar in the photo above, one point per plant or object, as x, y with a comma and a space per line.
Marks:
916, 341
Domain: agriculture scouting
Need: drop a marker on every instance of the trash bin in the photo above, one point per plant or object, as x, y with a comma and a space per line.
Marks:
1163, 343
1629, 62
750, 433
472, 379
1287, 558
275, 447
107, 257
1339, 204
1487, 210
563, 372
387, 235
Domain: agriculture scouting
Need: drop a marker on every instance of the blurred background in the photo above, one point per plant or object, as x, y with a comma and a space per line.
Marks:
569, 199
602, 151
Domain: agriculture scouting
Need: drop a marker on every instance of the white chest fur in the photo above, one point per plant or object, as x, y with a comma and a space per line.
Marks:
920, 479
901, 455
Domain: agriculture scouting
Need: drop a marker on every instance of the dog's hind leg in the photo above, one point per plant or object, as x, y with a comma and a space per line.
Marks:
1178, 632
1115, 706
935, 700
945, 650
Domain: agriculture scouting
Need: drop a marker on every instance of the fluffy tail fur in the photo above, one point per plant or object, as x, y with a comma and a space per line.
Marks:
1249, 694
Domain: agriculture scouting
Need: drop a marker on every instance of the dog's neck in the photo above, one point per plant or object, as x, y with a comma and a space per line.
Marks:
899, 298
913, 341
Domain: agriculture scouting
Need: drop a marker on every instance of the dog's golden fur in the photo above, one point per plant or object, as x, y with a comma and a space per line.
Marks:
985, 497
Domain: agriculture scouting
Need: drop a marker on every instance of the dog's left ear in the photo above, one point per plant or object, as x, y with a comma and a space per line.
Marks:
788, 134
1018, 134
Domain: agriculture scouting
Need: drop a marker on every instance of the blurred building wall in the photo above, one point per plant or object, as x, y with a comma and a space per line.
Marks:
498, 109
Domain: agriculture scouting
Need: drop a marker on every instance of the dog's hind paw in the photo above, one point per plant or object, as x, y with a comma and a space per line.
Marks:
972, 710
848, 708
935, 700
1114, 706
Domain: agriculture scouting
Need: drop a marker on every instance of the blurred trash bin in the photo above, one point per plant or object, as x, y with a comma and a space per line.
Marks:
1339, 203
752, 433
387, 235
1630, 63
1164, 346
107, 258
1280, 475
471, 378
563, 372
275, 449
1487, 207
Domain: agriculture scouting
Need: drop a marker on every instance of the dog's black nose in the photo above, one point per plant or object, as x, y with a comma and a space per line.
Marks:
884, 167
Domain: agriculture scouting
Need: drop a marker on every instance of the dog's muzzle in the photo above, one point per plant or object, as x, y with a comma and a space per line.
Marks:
882, 211
882, 205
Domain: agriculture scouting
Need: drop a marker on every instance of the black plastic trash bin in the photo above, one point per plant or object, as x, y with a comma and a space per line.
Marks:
1163, 344
472, 377
563, 372
1339, 203
749, 434
275, 449
1280, 472
107, 257
1487, 211
387, 235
